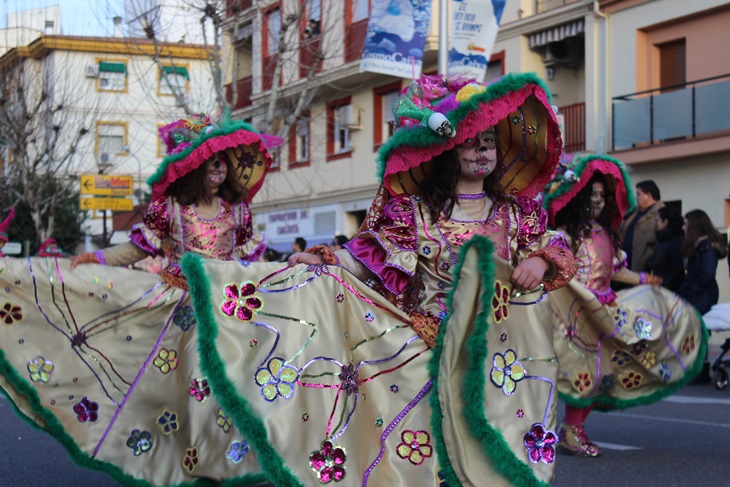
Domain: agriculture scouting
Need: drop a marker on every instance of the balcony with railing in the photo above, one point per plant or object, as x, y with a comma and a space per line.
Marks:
243, 93
309, 56
355, 40
574, 127
679, 112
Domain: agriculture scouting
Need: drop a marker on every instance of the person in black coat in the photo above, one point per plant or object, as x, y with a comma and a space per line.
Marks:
667, 260
703, 247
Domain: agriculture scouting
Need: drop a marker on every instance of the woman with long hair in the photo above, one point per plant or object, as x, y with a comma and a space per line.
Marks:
703, 247
614, 350
667, 260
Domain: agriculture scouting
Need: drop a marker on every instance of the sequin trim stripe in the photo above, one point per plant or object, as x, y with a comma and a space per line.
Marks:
552, 395
141, 372
349, 417
392, 426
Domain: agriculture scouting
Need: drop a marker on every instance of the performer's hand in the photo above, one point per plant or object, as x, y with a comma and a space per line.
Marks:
652, 280
305, 258
85, 258
530, 273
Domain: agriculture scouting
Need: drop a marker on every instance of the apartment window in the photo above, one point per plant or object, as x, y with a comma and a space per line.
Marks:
112, 76
174, 79
356, 26
339, 114
360, 10
673, 63
111, 138
313, 16
272, 28
383, 119
495, 67
299, 142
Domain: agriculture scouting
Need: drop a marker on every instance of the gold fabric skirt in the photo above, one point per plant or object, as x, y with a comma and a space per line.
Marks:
643, 348
298, 376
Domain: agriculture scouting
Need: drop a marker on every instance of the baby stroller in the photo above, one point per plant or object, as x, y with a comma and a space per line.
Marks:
718, 319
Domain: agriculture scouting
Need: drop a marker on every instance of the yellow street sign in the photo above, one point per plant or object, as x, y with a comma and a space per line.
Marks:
114, 204
106, 185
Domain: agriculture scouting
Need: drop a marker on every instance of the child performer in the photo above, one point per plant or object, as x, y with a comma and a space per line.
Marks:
615, 351
455, 381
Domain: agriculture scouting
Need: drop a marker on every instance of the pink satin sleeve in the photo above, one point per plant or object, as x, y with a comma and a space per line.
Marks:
373, 256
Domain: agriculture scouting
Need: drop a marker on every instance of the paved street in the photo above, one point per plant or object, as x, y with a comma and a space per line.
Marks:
680, 441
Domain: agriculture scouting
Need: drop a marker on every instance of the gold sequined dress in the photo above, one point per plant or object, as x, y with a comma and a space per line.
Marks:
626, 349
301, 375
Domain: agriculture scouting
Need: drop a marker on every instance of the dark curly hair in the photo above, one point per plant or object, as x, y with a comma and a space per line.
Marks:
575, 218
439, 188
192, 189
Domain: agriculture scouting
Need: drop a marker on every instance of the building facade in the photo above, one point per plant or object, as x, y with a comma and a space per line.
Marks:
645, 81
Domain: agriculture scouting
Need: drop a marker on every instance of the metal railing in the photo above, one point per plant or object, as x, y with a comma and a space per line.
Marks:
574, 129
355, 40
669, 113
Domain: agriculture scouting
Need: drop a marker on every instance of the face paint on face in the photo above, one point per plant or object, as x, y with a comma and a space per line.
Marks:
478, 155
216, 171
598, 199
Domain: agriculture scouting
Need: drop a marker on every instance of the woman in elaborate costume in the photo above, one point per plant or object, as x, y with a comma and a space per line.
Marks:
103, 357
403, 358
615, 351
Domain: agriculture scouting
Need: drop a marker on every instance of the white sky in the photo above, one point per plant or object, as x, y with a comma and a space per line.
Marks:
78, 17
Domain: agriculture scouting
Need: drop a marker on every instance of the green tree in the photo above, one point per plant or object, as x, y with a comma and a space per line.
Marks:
69, 219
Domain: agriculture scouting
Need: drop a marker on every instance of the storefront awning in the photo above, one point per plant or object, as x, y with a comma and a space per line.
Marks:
555, 34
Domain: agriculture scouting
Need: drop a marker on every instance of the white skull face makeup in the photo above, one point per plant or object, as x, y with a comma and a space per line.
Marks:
216, 171
478, 155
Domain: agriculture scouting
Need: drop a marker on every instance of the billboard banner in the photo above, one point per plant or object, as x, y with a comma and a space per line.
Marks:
474, 25
396, 37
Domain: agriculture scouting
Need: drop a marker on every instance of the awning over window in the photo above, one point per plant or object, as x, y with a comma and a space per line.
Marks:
181, 70
555, 34
107, 67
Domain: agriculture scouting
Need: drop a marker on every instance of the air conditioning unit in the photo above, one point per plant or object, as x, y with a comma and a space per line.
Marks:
354, 119
92, 70
568, 52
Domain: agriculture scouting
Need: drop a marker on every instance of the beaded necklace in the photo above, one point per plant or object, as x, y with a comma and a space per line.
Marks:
471, 196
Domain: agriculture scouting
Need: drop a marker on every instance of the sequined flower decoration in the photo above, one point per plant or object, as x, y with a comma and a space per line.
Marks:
10, 313
340, 297
499, 301
140, 442
40, 369
468, 91
318, 269
642, 329
620, 358
664, 371
688, 344
415, 446
276, 379
631, 380
225, 422
86, 410
426, 250
503, 337
649, 359
582, 381
369, 317
540, 442
199, 389
432, 87
167, 422
184, 317
608, 381
237, 451
378, 422
242, 301
305, 416
166, 360
507, 371
445, 266
394, 388
350, 379
253, 343
329, 462
619, 317
190, 460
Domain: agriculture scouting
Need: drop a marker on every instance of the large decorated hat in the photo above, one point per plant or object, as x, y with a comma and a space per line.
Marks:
573, 175
5, 225
435, 114
192, 142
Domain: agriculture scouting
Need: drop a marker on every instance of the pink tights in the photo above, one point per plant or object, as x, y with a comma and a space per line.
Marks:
576, 416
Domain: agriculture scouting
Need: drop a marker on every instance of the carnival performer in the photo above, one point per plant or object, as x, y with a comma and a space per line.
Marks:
414, 353
103, 357
4, 229
615, 351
